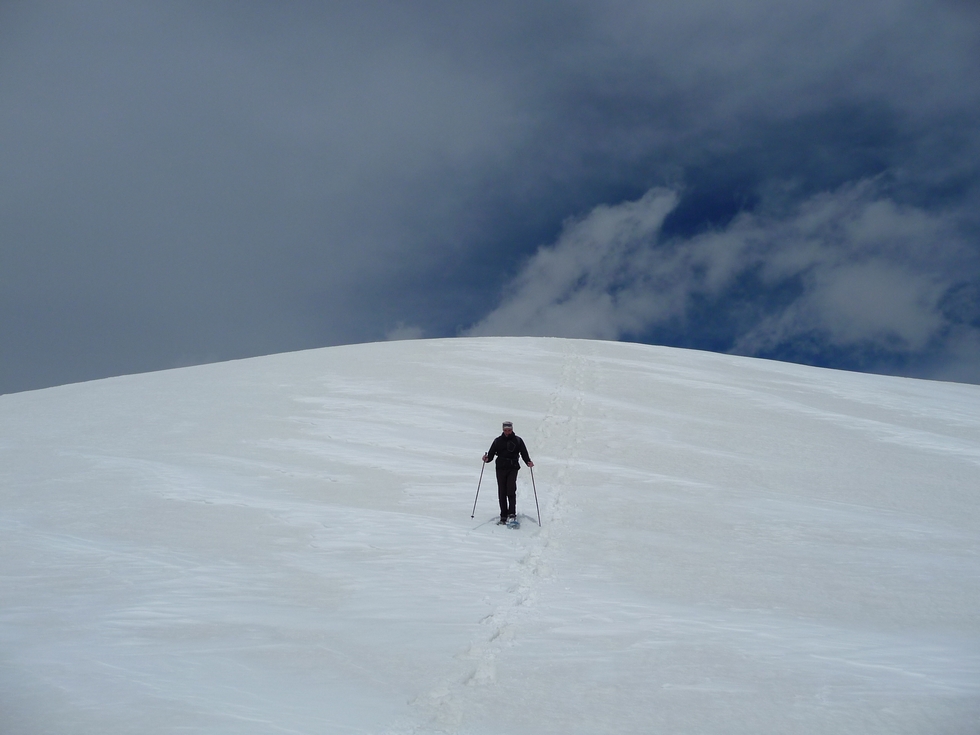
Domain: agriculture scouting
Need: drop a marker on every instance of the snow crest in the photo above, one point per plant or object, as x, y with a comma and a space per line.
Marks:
284, 544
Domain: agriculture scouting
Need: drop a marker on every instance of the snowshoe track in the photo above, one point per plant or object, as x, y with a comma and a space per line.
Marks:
555, 443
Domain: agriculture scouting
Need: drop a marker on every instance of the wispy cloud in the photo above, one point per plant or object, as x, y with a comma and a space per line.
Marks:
597, 281
404, 332
850, 269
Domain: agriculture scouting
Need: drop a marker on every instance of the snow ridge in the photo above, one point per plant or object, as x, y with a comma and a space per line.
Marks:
284, 544
556, 439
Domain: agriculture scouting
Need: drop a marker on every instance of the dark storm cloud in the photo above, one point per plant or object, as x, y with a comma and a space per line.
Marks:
182, 184
188, 182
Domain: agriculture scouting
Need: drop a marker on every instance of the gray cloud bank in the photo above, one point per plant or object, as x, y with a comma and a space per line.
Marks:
185, 182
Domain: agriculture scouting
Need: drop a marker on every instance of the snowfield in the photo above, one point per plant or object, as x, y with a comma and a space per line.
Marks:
284, 545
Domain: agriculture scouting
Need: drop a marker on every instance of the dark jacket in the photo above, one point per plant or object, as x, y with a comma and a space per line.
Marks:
508, 450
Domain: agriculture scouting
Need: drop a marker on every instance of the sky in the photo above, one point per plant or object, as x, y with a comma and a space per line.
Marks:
185, 182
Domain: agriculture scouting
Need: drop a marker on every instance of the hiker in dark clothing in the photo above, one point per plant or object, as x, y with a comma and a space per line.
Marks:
509, 449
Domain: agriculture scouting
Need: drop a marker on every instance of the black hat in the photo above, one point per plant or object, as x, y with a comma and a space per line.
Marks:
508, 425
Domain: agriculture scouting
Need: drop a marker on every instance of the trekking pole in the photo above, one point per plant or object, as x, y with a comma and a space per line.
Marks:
535, 496
478, 490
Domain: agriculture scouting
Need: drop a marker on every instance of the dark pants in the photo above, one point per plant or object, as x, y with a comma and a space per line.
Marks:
507, 489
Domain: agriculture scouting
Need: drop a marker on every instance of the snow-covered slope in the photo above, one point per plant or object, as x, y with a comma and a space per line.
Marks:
284, 545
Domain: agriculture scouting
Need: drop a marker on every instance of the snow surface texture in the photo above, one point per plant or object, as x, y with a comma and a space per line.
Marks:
284, 545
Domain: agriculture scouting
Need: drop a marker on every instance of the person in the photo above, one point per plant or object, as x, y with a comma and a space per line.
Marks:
509, 449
